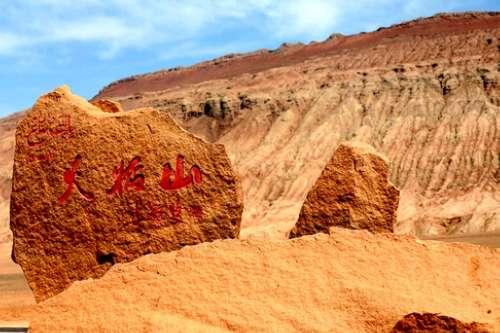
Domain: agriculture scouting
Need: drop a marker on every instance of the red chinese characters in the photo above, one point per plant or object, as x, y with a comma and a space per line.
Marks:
155, 213
179, 181
151, 212
46, 130
131, 176
175, 212
160, 214
70, 180
196, 212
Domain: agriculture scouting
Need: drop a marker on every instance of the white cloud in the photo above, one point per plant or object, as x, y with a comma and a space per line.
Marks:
112, 26
9, 43
207, 52
313, 19
121, 24
92, 29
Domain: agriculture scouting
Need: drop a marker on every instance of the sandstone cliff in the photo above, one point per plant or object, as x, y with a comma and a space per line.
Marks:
425, 93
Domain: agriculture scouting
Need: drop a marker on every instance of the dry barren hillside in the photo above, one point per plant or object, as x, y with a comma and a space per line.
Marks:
419, 34
425, 93
7, 130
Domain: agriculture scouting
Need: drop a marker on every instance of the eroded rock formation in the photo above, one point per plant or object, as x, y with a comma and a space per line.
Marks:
92, 188
433, 110
107, 105
353, 191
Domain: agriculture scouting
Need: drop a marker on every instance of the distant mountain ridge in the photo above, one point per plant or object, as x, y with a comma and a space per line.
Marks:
236, 64
425, 93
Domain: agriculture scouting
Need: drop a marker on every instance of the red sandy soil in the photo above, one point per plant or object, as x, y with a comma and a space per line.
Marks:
235, 65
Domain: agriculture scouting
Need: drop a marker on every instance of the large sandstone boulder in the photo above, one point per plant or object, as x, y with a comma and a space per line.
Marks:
93, 188
353, 191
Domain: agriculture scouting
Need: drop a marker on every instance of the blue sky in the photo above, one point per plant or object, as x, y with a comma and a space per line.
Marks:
89, 43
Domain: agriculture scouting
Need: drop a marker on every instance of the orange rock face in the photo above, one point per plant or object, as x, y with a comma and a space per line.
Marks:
107, 105
353, 191
431, 322
91, 189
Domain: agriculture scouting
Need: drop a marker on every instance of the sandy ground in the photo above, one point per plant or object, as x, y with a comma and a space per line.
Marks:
491, 239
349, 281
14, 290
16, 298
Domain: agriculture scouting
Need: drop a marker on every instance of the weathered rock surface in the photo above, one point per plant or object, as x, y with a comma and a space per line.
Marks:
91, 189
107, 105
348, 281
353, 191
434, 323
